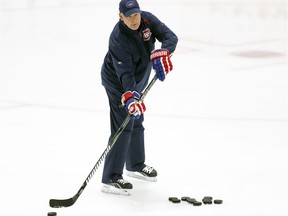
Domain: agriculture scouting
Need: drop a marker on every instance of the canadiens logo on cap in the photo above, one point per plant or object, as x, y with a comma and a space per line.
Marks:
130, 4
128, 7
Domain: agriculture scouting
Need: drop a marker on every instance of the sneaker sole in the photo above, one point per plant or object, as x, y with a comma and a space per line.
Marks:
140, 176
112, 190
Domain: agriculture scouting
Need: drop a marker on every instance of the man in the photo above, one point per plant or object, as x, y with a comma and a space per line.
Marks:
125, 73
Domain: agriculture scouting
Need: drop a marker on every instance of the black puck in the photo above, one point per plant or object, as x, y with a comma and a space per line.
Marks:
218, 201
197, 203
207, 201
191, 200
52, 213
174, 200
185, 198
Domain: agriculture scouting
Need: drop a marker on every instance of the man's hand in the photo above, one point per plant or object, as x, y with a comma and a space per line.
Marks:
161, 63
132, 104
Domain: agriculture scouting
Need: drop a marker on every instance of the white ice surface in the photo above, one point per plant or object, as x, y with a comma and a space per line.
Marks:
217, 126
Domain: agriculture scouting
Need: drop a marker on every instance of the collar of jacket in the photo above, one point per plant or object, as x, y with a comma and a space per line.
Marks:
127, 30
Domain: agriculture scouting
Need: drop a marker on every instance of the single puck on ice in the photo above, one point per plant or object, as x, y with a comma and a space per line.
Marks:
52, 213
172, 198
207, 201
176, 200
218, 201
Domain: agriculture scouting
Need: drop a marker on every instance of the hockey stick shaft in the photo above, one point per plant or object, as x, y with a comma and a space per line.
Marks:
58, 203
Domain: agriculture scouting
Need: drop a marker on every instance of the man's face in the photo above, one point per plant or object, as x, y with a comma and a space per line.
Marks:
133, 21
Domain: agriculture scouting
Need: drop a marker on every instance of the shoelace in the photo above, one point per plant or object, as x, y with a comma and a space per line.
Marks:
148, 169
122, 181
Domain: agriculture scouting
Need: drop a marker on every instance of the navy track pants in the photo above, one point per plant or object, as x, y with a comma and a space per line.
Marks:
129, 148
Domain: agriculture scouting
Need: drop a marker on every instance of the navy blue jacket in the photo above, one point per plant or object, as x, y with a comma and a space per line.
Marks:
127, 64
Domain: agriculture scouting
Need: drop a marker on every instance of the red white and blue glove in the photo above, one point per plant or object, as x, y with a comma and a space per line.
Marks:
161, 62
130, 100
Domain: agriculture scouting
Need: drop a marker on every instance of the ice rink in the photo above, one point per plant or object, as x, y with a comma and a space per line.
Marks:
217, 126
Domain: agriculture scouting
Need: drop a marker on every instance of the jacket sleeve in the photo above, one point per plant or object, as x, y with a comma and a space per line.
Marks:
162, 33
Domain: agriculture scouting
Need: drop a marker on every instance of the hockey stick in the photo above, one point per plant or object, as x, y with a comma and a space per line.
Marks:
59, 203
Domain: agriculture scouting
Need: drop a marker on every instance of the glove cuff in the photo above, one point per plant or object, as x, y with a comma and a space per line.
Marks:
159, 53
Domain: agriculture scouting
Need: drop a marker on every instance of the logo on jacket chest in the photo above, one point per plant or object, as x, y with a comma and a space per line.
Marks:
146, 34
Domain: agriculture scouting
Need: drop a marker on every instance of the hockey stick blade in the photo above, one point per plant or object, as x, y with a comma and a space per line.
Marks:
57, 203
60, 203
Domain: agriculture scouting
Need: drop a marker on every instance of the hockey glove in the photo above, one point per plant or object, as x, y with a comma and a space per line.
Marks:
161, 63
130, 100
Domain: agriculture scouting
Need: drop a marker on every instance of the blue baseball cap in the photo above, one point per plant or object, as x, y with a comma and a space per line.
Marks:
128, 7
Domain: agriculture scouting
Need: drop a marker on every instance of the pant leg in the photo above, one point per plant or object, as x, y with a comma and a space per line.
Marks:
116, 158
136, 151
